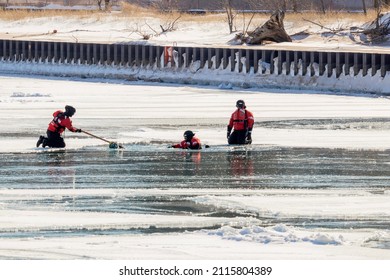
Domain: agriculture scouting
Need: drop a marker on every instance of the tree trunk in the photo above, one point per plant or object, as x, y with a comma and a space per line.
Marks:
378, 4
272, 30
295, 6
284, 5
229, 14
323, 6
364, 7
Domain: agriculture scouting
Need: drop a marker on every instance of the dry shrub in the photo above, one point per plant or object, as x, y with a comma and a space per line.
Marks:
20, 14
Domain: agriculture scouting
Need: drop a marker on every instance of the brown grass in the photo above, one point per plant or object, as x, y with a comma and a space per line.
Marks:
135, 11
13, 15
130, 10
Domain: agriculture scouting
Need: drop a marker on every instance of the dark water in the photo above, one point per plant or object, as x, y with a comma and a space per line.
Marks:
218, 168
254, 168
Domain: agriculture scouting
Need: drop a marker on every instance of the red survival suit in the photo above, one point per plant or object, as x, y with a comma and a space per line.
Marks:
193, 144
56, 127
60, 122
241, 122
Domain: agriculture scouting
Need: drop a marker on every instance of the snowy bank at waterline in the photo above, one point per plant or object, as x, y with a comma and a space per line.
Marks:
194, 74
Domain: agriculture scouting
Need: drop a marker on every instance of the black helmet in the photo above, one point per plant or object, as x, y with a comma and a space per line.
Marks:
69, 110
188, 134
240, 104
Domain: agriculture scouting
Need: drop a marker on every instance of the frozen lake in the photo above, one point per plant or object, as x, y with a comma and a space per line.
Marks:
313, 183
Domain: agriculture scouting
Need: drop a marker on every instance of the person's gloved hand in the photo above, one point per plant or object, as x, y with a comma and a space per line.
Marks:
248, 138
171, 146
78, 130
229, 130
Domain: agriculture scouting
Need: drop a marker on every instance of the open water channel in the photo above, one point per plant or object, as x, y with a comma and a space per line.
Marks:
221, 167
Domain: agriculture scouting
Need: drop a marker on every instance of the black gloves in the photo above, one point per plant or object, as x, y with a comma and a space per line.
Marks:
78, 130
248, 138
229, 130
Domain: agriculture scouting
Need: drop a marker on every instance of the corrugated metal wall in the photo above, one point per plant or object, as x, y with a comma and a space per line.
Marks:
240, 60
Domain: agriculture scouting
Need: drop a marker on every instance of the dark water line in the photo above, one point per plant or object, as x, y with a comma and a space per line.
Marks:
280, 168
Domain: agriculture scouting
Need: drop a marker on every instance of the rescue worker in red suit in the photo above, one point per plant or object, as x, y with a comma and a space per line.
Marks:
190, 142
241, 122
57, 126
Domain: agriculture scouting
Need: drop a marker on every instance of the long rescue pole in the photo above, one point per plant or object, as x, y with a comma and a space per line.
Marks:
112, 145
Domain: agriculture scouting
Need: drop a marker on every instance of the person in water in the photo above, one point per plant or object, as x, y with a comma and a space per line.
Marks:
190, 142
241, 122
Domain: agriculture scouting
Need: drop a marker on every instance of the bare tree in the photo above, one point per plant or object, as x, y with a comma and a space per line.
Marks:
381, 3
99, 3
323, 8
106, 4
230, 14
377, 4
295, 5
284, 5
169, 25
364, 7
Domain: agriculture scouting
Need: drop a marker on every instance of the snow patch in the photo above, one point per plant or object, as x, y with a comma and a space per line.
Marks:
225, 86
324, 239
380, 239
22, 94
276, 234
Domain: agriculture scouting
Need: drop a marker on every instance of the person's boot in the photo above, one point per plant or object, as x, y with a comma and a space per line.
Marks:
44, 142
40, 140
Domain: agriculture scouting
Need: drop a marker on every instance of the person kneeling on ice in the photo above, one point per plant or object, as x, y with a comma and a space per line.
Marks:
56, 127
190, 142
241, 122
